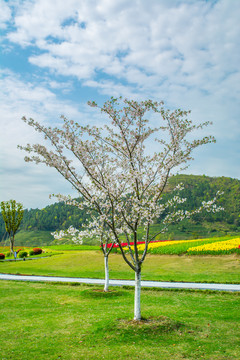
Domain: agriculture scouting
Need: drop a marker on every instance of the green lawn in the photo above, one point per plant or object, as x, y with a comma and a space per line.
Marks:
45, 321
221, 269
33, 238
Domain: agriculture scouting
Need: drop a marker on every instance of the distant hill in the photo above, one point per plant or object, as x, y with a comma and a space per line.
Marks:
203, 188
197, 188
37, 224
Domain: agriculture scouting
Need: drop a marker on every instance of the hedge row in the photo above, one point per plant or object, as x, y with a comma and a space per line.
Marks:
22, 253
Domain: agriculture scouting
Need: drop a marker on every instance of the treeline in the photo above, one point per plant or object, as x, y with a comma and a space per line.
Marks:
197, 189
53, 217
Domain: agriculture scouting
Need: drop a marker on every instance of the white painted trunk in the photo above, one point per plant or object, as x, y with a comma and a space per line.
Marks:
137, 303
106, 285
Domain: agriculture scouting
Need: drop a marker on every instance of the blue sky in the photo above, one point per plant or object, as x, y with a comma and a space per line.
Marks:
57, 55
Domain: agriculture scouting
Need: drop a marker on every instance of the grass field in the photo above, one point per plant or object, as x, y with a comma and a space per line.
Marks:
63, 322
53, 321
221, 269
33, 238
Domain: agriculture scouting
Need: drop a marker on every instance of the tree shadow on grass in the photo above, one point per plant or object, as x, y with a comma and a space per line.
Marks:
101, 294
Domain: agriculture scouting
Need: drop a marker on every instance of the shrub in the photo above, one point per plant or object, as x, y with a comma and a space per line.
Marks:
37, 251
31, 252
22, 254
2, 256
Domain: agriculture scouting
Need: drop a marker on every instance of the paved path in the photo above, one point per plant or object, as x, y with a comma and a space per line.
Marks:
158, 284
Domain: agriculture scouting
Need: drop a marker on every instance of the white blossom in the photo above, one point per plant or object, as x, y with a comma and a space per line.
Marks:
120, 183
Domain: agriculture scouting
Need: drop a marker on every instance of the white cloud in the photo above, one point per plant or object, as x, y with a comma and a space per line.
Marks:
195, 43
5, 14
184, 52
25, 181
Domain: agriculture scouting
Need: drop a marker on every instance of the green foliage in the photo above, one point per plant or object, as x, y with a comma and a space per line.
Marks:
204, 188
58, 216
22, 254
12, 215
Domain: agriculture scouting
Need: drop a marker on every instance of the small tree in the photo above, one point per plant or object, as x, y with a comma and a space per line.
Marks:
76, 237
120, 179
12, 213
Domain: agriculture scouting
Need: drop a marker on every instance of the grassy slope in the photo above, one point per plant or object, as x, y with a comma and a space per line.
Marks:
40, 321
33, 238
222, 269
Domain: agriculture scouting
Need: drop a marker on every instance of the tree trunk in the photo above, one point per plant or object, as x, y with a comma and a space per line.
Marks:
11, 243
137, 303
106, 285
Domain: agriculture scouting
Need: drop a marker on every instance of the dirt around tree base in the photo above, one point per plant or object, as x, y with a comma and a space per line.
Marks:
151, 324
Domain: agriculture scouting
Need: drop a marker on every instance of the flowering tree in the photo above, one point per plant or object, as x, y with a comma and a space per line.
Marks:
77, 237
12, 213
120, 180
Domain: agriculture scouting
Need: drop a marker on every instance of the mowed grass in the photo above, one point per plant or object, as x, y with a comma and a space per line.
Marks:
48, 250
221, 269
53, 321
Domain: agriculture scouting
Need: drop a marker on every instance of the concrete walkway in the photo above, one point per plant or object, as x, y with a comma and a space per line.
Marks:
158, 284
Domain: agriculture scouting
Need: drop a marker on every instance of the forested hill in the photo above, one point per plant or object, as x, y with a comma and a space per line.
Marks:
197, 188
204, 188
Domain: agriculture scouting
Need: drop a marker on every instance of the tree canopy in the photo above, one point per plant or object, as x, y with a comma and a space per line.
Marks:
120, 181
12, 213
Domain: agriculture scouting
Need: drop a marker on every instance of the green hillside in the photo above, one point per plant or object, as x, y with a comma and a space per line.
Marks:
38, 224
204, 188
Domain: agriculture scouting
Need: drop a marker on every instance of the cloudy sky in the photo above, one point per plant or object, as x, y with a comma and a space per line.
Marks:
57, 55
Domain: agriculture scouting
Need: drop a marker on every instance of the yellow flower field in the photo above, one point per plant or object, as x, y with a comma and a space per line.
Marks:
153, 245
216, 246
220, 246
